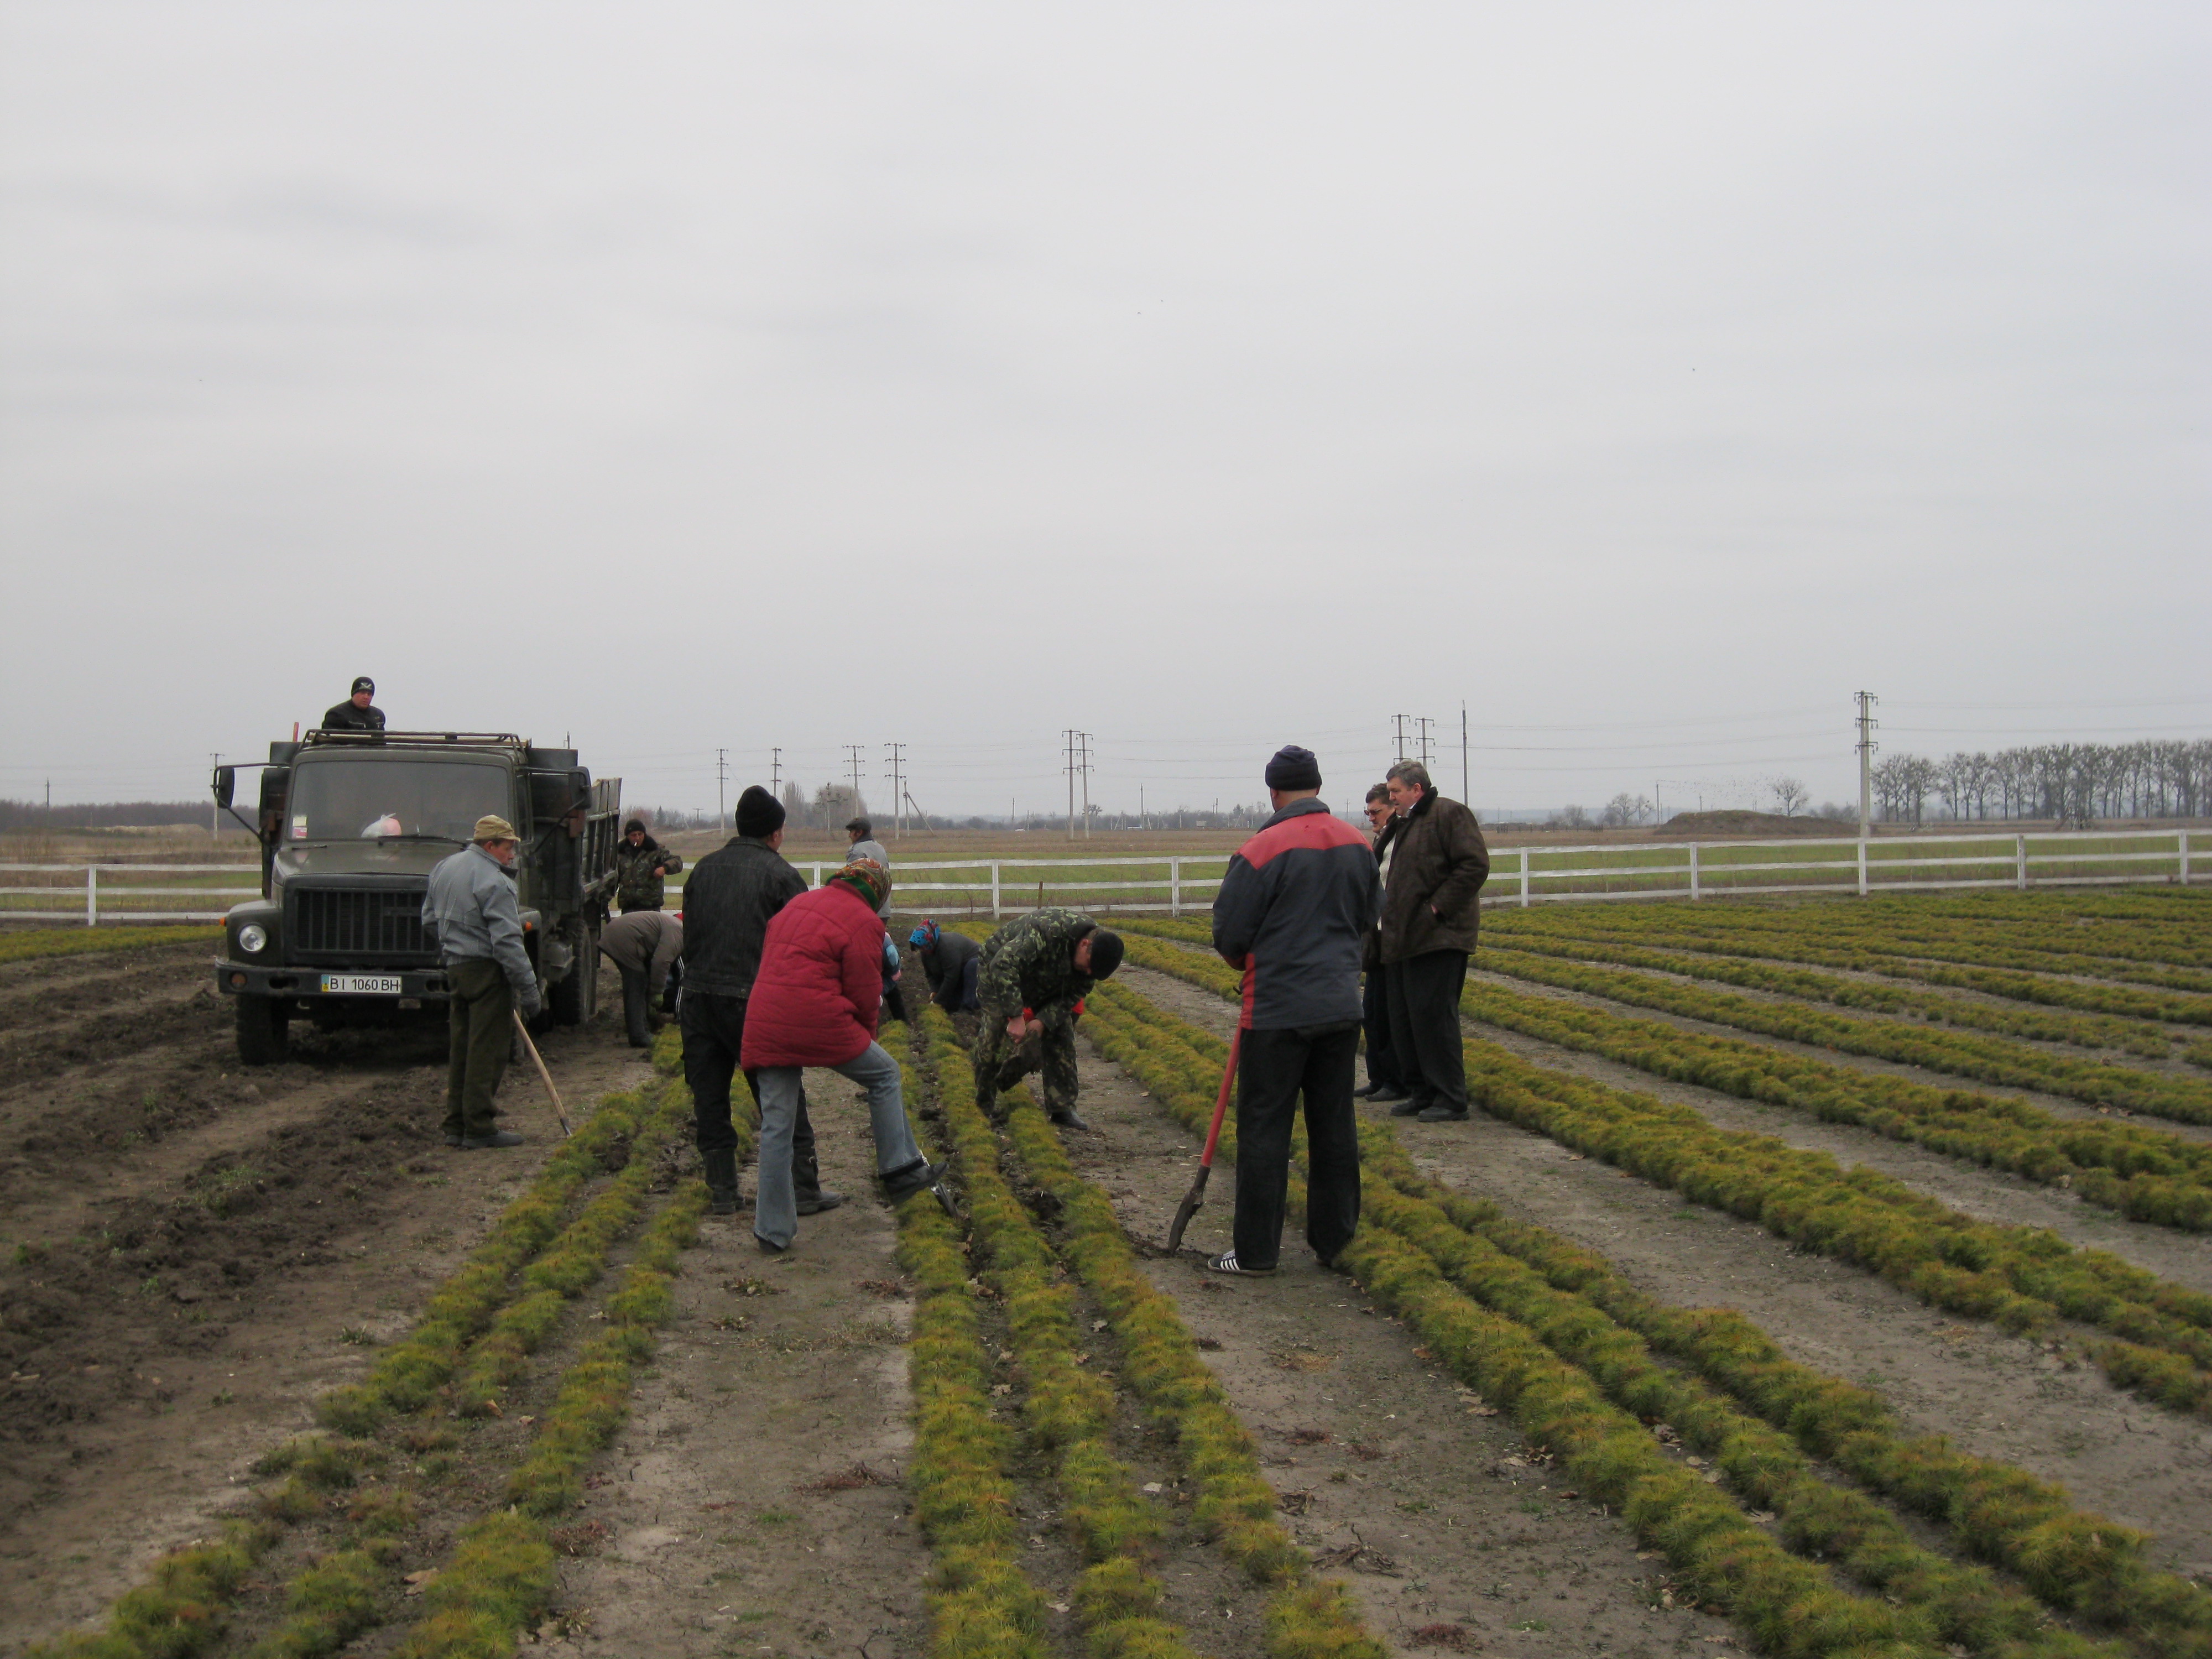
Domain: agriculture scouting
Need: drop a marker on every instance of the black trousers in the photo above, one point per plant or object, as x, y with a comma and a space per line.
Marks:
1424, 1037
637, 1006
1383, 1067
1274, 1069
714, 1040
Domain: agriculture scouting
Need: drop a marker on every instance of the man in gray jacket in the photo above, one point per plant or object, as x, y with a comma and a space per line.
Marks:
470, 914
643, 946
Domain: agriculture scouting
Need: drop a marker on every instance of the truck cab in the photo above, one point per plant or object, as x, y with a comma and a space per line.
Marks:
350, 824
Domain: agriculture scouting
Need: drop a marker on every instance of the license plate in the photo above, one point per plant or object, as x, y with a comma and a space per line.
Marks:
372, 985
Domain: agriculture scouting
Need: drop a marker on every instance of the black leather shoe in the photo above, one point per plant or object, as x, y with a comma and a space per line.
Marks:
1408, 1107
497, 1138
1384, 1094
1069, 1121
819, 1202
1366, 1090
768, 1246
916, 1177
1443, 1114
452, 1140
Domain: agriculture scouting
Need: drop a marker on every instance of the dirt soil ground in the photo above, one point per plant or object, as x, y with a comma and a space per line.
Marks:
194, 1253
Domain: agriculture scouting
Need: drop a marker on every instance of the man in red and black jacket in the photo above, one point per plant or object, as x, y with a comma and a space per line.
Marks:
1294, 912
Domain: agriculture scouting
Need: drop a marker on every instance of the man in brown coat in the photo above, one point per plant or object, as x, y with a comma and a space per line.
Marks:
1437, 865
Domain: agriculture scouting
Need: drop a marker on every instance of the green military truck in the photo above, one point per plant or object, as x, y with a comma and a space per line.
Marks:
351, 823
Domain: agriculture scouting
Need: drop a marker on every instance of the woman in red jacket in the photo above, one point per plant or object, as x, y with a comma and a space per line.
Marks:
814, 1003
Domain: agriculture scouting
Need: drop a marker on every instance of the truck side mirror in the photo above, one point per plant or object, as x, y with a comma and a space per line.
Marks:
226, 785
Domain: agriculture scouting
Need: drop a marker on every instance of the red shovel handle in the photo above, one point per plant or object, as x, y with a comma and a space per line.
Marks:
1221, 1105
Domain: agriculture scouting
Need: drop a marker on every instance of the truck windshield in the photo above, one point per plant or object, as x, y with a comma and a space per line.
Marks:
346, 799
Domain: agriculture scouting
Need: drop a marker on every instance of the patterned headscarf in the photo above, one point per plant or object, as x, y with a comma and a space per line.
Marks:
866, 878
924, 938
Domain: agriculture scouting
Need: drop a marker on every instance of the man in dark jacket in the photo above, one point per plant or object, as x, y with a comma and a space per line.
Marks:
643, 946
1384, 1086
641, 864
1295, 911
1036, 972
733, 894
358, 713
1431, 899
952, 962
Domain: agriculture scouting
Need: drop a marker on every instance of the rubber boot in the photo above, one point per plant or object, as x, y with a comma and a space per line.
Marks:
721, 1171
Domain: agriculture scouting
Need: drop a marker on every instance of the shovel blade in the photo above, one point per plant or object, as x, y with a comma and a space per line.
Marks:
1191, 1201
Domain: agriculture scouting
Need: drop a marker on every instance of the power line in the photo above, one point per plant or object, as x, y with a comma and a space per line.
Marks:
895, 758
721, 791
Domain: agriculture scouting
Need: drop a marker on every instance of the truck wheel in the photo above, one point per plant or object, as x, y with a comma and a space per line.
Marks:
264, 1030
570, 999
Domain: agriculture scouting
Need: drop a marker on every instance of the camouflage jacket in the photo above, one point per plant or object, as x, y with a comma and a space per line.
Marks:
636, 887
1029, 964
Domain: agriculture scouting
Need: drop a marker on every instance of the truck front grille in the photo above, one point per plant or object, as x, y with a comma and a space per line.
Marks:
346, 925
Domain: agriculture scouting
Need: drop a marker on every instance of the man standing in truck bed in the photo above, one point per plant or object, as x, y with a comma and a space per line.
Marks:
1036, 969
470, 914
733, 894
358, 713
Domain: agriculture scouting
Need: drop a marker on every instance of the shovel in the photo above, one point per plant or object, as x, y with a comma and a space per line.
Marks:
1196, 1196
524, 1032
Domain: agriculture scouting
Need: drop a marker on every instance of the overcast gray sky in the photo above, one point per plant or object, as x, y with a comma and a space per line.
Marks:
1206, 377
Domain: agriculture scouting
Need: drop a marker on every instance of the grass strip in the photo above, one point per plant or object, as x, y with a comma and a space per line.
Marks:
2020, 1278
1986, 1059
2143, 1174
413, 1370
1069, 1411
1307, 1616
28, 943
2136, 1036
2042, 986
1791, 1606
1582, 1310
981, 1604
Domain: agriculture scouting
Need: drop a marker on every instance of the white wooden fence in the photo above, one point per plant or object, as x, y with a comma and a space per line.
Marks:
1518, 875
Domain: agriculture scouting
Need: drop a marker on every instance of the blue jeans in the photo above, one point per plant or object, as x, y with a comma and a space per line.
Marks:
776, 1212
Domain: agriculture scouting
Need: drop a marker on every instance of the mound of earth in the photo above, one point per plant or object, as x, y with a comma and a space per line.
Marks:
1757, 823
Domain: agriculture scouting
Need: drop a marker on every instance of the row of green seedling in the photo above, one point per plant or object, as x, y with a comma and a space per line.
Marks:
2140, 1037
2052, 944
2036, 979
1308, 1617
183, 1607
2023, 1279
2143, 1174
1590, 1317
1067, 1409
1984, 1059
31, 942
1712, 1545
982, 1603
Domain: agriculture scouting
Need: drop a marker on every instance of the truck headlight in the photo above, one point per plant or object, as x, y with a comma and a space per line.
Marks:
252, 939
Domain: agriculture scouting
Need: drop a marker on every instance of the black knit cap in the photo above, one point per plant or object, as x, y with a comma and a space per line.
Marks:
1105, 952
362, 683
759, 813
637, 824
1293, 768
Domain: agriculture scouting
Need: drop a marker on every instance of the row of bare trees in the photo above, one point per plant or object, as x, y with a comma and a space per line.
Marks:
2077, 783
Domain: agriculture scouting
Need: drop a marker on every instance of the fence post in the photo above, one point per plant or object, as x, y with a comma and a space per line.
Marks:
2020, 862
1694, 890
2184, 858
1524, 878
818, 875
1175, 887
92, 895
994, 890
1863, 870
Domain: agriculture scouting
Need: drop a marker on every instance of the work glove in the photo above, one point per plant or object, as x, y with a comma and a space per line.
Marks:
533, 1006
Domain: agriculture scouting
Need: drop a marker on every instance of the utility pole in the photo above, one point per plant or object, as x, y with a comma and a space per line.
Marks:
1465, 789
852, 754
894, 756
1068, 736
1866, 747
1424, 723
775, 773
215, 823
1083, 737
1397, 738
721, 791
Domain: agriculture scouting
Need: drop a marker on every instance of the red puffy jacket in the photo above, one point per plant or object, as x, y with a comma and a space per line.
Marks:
821, 977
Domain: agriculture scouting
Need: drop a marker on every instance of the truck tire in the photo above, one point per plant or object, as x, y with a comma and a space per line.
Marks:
264, 1030
570, 999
